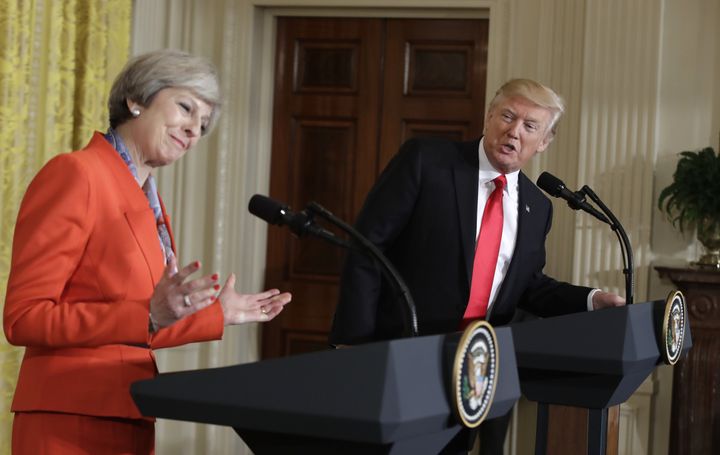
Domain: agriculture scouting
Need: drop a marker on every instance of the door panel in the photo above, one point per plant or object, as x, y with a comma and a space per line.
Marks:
434, 81
347, 93
325, 128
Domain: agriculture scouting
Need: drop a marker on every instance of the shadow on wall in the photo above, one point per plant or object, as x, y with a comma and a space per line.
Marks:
653, 238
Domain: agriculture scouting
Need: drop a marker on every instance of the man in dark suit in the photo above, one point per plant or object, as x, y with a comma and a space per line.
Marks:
426, 213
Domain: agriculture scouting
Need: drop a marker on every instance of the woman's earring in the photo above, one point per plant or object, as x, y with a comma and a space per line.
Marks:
135, 112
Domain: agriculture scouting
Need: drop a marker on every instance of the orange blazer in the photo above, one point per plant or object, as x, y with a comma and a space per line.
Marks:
86, 258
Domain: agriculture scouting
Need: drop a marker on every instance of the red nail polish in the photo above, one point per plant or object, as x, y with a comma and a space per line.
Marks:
214, 276
216, 287
196, 264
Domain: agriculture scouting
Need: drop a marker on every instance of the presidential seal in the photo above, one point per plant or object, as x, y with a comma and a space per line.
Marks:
673, 330
475, 373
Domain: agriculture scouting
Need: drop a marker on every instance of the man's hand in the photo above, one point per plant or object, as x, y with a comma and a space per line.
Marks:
603, 299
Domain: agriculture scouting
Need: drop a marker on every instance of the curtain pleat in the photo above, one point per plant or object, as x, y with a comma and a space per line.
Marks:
57, 62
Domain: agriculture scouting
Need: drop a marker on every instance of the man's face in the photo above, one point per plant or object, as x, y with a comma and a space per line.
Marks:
515, 130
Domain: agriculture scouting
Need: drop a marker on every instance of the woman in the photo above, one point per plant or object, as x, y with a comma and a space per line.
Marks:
94, 285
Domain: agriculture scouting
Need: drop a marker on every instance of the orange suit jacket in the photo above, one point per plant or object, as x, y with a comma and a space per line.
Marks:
86, 258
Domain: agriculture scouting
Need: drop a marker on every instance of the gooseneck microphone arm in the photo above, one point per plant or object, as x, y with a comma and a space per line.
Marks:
302, 223
576, 201
391, 274
625, 246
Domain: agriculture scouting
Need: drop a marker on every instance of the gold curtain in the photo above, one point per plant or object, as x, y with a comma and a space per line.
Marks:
57, 62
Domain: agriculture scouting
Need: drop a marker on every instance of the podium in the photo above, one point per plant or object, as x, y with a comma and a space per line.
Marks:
386, 397
591, 360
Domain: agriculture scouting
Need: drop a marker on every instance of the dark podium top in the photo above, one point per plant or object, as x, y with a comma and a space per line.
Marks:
386, 397
594, 359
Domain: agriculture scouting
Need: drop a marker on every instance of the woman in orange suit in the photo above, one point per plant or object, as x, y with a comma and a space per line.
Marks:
94, 285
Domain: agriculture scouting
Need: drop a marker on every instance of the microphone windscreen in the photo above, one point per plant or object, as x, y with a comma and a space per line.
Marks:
265, 208
550, 184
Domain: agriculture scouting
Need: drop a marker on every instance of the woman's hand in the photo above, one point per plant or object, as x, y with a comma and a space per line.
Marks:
241, 308
174, 297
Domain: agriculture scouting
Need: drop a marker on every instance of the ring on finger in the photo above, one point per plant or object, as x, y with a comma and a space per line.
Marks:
264, 310
186, 299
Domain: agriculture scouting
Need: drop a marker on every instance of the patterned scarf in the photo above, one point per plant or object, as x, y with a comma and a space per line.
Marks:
150, 190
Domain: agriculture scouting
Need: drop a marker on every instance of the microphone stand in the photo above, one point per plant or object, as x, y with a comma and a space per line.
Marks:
388, 270
625, 246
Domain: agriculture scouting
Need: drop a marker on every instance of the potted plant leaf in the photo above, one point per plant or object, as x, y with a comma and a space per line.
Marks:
693, 200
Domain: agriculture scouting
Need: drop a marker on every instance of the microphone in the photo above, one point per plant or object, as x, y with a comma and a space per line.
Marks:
575, 200
300, 223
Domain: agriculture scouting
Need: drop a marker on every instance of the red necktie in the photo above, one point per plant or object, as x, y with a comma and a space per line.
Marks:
486, 254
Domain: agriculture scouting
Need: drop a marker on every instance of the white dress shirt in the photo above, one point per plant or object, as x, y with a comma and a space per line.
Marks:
511, 196
486, 174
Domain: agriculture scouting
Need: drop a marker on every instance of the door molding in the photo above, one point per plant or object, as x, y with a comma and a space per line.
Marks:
265, 13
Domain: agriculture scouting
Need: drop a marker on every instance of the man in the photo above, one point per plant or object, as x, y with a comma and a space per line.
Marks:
466, 230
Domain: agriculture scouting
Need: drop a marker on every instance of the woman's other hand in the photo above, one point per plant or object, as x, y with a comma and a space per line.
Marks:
241, 308
176, 297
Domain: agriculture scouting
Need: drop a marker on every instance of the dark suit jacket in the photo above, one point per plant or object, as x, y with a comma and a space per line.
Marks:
422, 214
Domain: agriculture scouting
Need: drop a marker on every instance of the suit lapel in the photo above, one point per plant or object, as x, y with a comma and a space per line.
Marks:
137, 210
143, 225
465, 174
524, 211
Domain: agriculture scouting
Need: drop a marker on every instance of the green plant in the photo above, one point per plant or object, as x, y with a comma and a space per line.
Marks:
694, 194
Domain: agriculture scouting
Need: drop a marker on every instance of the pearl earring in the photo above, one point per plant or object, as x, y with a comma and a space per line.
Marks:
135, 112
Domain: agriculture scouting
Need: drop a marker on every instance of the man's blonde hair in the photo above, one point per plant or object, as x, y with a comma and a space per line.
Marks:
535, 92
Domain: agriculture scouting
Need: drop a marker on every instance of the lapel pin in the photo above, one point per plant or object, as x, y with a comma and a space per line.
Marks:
527, 208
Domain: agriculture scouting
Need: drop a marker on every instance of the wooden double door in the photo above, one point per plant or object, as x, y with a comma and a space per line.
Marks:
348, 92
